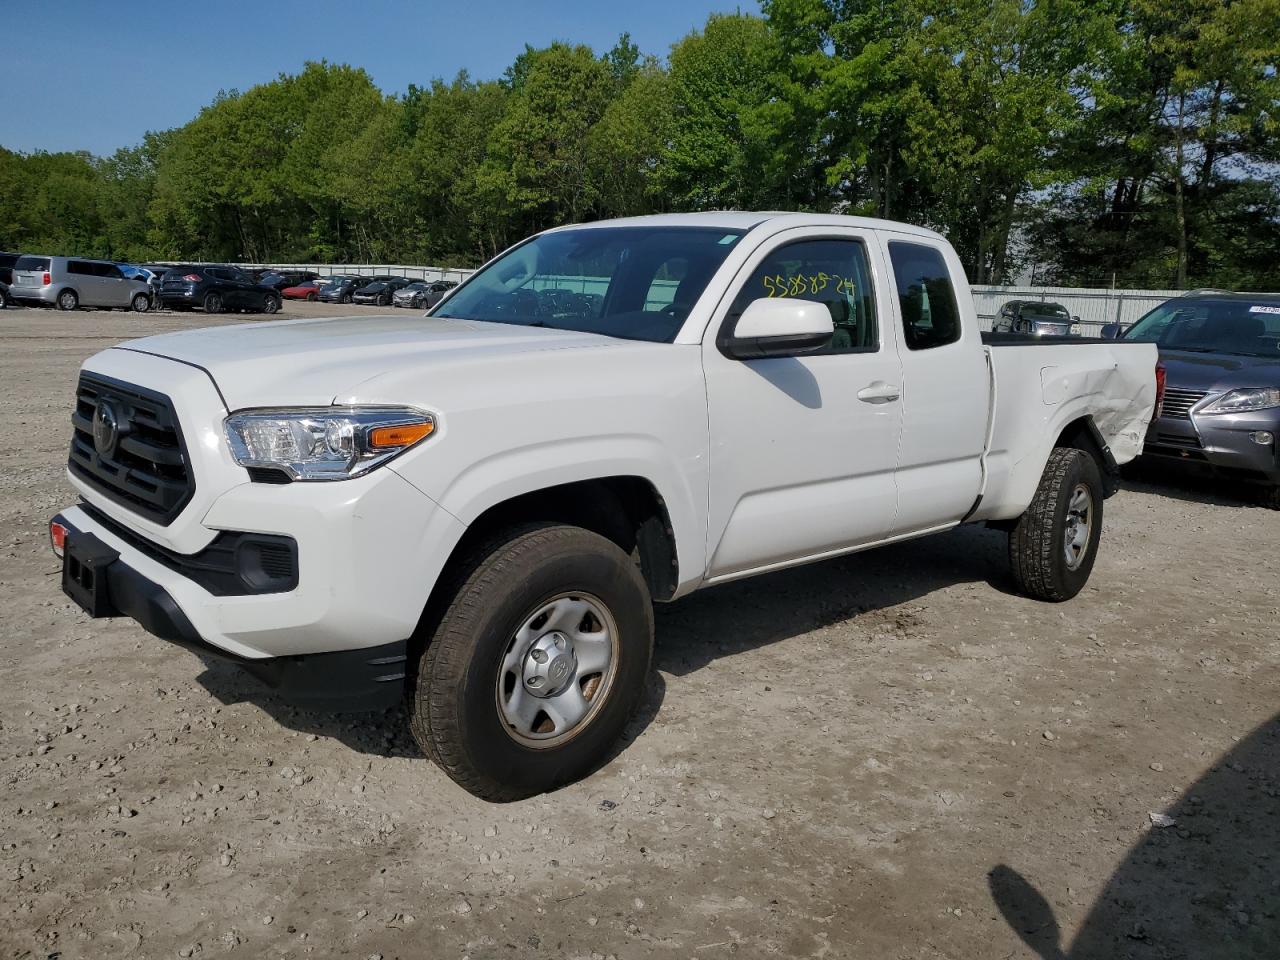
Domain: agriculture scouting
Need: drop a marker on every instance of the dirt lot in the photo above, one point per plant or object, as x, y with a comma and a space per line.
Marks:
883, 756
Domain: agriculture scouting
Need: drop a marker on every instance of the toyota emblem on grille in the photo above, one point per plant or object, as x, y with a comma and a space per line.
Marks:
106, 428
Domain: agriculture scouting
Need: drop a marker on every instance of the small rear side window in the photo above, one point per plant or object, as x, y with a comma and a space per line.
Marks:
32, 263
930, 316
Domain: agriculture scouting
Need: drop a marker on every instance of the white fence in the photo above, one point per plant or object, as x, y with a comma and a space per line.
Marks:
1094, 307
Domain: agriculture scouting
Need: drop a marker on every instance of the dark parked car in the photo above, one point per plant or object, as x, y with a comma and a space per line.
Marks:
4, 295
7, 260
1034, 317
1221, 358
339, 289
215, 288
278, 280
380, 291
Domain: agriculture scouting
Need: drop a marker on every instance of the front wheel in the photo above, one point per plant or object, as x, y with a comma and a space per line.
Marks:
67, 300
1054, 544
270, 304
141, 303
534, 667
346, 298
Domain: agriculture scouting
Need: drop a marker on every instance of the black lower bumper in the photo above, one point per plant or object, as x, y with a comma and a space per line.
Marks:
94, 576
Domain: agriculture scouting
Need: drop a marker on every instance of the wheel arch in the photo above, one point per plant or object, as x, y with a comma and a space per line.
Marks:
1083, 434
626, 509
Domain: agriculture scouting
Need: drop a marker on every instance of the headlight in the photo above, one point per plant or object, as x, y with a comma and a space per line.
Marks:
1243, 401
325, 443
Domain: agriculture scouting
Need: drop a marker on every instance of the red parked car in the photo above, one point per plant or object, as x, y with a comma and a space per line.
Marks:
303, 291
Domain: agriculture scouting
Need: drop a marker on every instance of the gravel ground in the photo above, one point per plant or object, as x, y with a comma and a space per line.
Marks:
884, 756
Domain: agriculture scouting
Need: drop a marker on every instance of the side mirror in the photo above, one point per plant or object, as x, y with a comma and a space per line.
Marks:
1110, 331
779, 327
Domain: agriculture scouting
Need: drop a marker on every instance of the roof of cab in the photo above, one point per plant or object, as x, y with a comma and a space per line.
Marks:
749, 219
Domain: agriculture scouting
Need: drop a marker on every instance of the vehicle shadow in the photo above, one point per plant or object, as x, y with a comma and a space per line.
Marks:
693, 632
381, 733
1189, 484
1208, 886
740, 616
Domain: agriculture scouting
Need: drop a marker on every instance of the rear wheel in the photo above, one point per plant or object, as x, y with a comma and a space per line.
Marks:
67, 300
534, 667
1053, 546
311, 298
270, 304
213, 303
141, 303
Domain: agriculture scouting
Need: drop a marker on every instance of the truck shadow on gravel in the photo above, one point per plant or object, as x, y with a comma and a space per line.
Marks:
381, 733
697, 630
736, 617
1209, 886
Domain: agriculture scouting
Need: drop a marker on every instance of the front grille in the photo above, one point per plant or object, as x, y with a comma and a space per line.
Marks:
1177, 440
1178, 403
145, 469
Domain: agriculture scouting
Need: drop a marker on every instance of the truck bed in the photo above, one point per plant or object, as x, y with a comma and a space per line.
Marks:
1048, 385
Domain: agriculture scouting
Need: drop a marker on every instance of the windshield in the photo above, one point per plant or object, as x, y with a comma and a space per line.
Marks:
1239, 327
637, 283
414, 286
1044, 311
375, 286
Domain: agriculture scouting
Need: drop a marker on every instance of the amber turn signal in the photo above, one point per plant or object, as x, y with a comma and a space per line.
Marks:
381, 438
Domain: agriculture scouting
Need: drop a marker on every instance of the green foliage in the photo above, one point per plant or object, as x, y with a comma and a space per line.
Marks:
1134, 140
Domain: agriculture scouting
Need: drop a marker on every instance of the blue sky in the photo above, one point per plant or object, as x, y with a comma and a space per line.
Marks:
106, 73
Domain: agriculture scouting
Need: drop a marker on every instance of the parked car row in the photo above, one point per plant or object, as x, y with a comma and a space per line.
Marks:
69, 283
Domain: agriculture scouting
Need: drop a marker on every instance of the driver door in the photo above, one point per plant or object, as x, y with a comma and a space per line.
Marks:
804, 448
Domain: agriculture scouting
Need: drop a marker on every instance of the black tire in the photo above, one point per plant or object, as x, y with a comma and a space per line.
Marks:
140, 303
1038, 542
213, 303
68, 300
270, 304
454, 709
346, 298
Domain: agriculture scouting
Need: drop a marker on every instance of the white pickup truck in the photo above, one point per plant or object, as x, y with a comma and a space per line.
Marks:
473, 510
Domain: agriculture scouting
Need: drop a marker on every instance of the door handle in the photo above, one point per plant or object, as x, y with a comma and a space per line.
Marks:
879, 392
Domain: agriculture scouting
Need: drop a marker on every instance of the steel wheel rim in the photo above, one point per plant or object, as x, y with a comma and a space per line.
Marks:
1079, 526
66, 301
557, 670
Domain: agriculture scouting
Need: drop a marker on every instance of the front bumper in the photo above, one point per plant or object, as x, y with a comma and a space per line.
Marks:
1222, 444
105, 585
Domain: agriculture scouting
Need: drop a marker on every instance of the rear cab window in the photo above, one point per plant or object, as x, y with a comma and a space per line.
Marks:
930, 313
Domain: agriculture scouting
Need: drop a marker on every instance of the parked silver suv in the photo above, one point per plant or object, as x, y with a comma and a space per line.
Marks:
68, 283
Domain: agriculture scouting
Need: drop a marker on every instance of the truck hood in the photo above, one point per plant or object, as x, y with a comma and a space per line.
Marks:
313, 362
1216, 372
